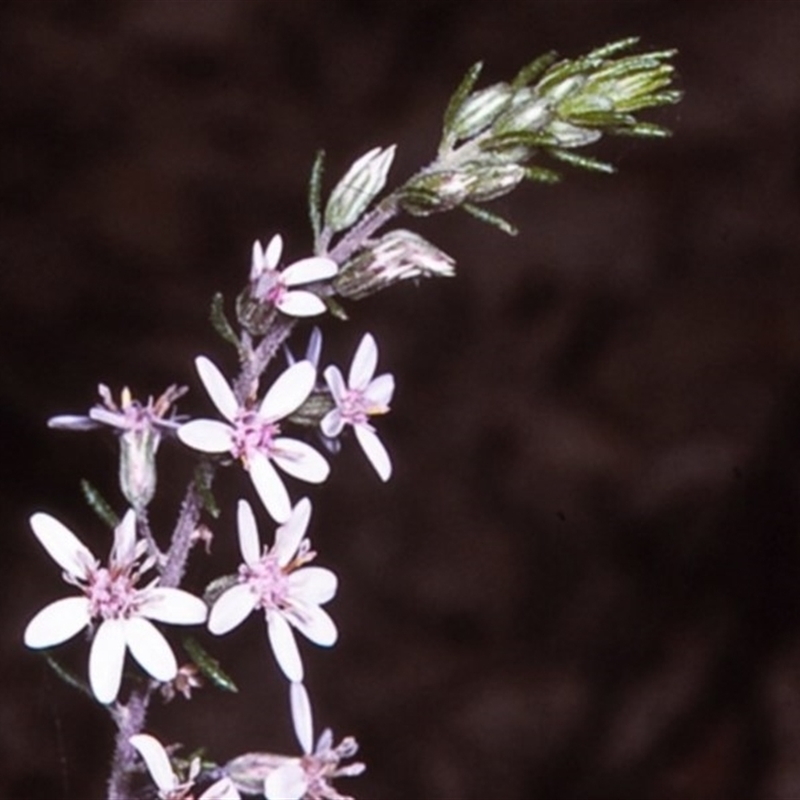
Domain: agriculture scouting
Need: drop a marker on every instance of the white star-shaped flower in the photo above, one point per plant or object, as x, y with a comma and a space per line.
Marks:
308, 777
273, 286
277, 582
252, 435
362, 398
109, 594
170, 787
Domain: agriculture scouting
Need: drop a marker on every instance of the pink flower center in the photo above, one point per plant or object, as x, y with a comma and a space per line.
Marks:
251, 434
270, 287
354, 407
268, 579
112, 594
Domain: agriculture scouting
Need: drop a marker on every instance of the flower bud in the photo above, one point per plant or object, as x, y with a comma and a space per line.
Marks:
480, 110
494, 181
528, 111
358, 188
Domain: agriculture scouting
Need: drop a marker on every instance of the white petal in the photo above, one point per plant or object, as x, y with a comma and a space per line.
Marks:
335, 381
290, 534
157, 760
284, 646
174, 606
257, 262
72, 422
124, 550
270, 488
300, 460
380, 390
219, 390
315, 585
288, 392
301, 304
57, 622
364, 362
63, 545
332, 423
301, 716
223, 789
233, 606
314, 347
375, 451
287, 782
106, 658
249, 544
272, 253
149, 647
316, 268
207, 435
314, 623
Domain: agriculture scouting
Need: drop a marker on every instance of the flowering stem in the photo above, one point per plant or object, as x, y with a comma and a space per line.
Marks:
130, 720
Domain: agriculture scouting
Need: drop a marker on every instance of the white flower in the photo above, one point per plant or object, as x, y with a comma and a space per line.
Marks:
252, 435
308, 777
278, 582
169, 785
109, 594
273, 286
363, 397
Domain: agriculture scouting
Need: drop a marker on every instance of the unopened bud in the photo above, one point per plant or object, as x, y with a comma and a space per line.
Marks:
480, 110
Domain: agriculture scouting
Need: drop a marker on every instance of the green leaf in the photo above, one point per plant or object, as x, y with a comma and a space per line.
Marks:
220, 321
533, 70
644, 129
67, 676
459, 96
209, 665
203, 478
613, 48
99, 504
542, 175
490, 218
584, 162
315, 194
335, 308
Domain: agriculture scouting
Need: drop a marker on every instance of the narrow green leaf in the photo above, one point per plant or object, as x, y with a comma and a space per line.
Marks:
613, 48
515, 139
220, 321
203, 477
542, 175
530, 72
209, 665
460, 95
99, 504
643, 129
490, 218
335, 308
315, 194
583, 162
67, 676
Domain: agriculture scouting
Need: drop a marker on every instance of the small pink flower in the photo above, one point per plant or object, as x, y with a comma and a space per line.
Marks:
363, 397
275, 287
252, 435
110, 595
278, 582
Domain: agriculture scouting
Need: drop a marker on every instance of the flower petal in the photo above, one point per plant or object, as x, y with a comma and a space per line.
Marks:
63, 545
207, 435
287, 782
375, 451
380, 390
124, 549
174, 606
73, 422
270, 488
306, 270
157, 760
149, 647
57, 622
249, 543
315, 585
313, 622
290, 534
301, 304
284, 646
300, 460
219, 390
288, 392
232, 607
364, 362
301, 716
272, 252
106, 658
223, 789
335, 381
332, 423
257, 262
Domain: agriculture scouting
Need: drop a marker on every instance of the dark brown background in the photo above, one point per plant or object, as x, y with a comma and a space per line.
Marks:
582, 581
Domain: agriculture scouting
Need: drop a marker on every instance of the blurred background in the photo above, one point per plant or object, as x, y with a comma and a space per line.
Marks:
582, 581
